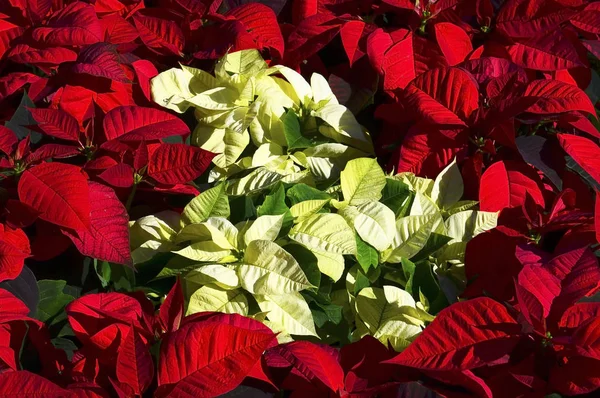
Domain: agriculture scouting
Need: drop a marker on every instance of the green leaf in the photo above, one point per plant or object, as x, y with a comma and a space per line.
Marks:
408, 268
52, 299
396, 195
66, 345
274, 203
434, 243
319, 317
268, 269
366, 254
293, 132
361, 282
22, 118
210, 203
302, 192
327, 313
25, 288
362, 181
308, 262
424, 281
573, 165
122, 277
242, 208
103, 271
333, 312
149, 270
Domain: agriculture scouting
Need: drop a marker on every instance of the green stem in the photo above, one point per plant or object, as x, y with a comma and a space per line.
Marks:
130, 198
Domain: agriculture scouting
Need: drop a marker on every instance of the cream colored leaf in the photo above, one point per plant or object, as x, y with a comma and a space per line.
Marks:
220, 275
383, 314
171, 89
257, 180
282, 336
264, 227
463, 205
244, 62
227, 143
321, 90
412, 233
362, 181
218, 229
448, 186
149, 249
266, 153
307, 208
323, 232
330, 264
423, 205
216, 99
290, 311
299, 84
375, 223
321, 168
207, 251
211, 298
201, 80
162, 226
238, 119
268, 269
417, 184
343, 127
465, 225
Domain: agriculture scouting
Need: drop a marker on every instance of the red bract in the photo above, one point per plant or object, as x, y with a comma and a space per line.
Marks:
172, 310
483, 332
443, 96
505, 184
107, 238
307, 367
59, 192
186, 368
178, 163
14, 249
24, 382
130, 123
135, 369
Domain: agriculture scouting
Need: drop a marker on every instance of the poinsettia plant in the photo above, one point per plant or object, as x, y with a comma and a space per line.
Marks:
310, 198
369, 256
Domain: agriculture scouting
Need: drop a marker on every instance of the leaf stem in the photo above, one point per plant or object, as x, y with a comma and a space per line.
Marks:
130, 198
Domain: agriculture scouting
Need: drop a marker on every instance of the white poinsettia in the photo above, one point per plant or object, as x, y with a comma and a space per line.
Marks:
297, 132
